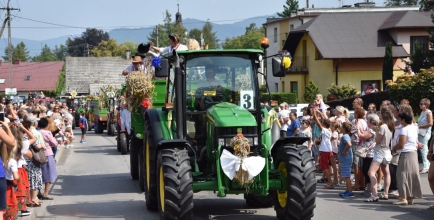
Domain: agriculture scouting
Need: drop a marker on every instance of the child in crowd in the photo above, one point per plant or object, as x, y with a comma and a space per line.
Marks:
69, 137
305, 132
325, 146
346, 159
11, 174
335, 149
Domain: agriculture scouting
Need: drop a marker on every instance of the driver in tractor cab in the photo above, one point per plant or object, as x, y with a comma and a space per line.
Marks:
210, 84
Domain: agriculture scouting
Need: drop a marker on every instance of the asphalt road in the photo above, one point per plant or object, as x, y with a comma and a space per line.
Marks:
94, 183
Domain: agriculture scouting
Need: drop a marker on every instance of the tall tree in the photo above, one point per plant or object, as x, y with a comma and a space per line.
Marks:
129, 45
45, 56
89, 39
19, 52
159, 33
418, 59
425, 5
400, 2
60, 52
388, 64
209, 36
108, 49
195, 34
250, 40
291, 5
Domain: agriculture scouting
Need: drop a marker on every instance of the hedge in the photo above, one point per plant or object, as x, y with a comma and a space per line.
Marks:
376, 98
290, 98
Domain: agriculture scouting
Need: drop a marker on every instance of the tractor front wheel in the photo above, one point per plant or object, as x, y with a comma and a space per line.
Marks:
259, 201
118, 140
297, 201
123, 143
175, 185
135, 148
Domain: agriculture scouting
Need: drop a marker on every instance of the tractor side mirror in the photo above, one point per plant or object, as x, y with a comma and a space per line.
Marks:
163, 70
278, 69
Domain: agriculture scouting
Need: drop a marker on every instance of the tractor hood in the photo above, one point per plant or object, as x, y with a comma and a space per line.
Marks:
229, 115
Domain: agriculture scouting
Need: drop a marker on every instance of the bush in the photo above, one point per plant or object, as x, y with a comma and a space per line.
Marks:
290, 98
376, 98
414, 88
343, 92
310, 92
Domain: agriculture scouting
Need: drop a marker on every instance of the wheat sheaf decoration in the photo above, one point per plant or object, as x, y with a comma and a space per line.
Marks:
241, 148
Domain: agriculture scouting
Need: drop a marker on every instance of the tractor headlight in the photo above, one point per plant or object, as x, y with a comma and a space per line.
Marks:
253, 141
224, 142
138, 135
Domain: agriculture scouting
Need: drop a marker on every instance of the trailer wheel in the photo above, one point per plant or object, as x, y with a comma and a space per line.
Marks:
123, 143
118, 141
298, 201
175, 185
135, 148
259, 201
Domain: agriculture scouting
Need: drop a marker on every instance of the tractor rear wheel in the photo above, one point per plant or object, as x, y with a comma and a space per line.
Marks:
135, 148
123, 143
259, 201
100, 127
118, 140
175, 185
298, 201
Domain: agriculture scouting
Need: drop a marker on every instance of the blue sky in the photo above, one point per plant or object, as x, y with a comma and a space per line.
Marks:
111, 14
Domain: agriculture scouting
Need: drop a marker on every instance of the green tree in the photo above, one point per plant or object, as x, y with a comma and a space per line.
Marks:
400, 2
166, 29
45, 56
430, 53
81, 46
291, 5
310, 92
129, 45
195, 34
250, 40
60, 52
161, 36
19, 52
209, 36
108, 48
60, 85
418, 59
388, 64
425, 5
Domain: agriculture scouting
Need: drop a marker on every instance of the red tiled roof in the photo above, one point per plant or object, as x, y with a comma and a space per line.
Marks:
43, 75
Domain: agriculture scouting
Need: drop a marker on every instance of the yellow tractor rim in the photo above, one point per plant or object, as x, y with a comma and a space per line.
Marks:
282, 196
161, 189
147, 165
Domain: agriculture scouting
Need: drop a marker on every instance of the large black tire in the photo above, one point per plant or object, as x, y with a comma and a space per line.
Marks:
118, 141
100, 127
298, 202
109, 128
259, 201
150, 167
175, 185
135, 148
123, 143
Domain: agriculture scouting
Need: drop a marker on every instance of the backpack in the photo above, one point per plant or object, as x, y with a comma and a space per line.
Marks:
81, 124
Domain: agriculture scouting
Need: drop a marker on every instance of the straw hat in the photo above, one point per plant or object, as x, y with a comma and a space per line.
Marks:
137, 59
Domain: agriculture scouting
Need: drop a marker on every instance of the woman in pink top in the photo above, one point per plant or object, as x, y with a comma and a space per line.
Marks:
49, 173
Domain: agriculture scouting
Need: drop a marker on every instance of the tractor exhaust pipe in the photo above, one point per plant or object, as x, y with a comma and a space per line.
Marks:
179, 79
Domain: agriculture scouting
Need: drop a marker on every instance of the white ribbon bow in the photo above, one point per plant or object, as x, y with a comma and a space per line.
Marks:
231, 163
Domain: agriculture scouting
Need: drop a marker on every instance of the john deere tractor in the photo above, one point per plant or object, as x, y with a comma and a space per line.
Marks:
212, 97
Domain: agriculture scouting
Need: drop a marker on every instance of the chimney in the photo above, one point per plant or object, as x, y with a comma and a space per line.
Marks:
128, 54
16, 61
307, 3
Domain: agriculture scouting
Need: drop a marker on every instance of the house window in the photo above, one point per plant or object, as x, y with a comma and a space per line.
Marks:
291, 27
27, 78
283, 86
294, 87
276, 85
2, 81
368, 83
275, 35
422, 41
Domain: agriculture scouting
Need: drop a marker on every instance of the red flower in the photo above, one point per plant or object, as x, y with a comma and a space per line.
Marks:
146, 103
240, 135
247, 147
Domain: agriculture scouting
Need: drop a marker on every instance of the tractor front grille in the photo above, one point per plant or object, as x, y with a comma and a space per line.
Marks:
232, 131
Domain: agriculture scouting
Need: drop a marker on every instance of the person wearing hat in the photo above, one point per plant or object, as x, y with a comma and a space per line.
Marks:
174, 42
137, 65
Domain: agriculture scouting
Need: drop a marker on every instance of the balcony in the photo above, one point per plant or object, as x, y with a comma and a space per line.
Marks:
299, 65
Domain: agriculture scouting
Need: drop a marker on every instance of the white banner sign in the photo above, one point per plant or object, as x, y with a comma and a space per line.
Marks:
10, 91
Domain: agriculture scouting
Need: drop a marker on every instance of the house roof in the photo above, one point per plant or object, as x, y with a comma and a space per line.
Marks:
351, 35
407, 19
42, 76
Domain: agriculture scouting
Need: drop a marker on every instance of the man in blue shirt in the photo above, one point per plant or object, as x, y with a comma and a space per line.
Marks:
294, 127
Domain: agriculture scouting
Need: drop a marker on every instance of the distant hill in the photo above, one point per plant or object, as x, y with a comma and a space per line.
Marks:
140, 35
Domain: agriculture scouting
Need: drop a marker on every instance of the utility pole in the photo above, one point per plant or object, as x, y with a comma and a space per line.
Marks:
8, 21
156, 27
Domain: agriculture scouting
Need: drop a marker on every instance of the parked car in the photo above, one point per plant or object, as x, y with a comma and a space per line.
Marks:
298, 109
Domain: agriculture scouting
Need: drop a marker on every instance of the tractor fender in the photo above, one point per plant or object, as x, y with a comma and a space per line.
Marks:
287, 140
155, 122
175, 143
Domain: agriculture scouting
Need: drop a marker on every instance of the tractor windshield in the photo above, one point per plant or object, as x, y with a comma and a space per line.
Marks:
212, 79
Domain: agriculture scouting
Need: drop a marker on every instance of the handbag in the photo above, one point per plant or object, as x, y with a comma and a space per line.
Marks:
38, 157
361, 151
395, 159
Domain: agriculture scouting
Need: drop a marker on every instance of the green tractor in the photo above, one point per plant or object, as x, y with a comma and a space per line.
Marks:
100, 117
185, 140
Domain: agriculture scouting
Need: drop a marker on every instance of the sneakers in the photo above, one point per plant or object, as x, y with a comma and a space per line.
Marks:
342, 193
83, 141
24, 213
347, 195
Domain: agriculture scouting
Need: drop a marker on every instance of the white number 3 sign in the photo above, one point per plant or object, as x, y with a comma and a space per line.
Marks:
247, 99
